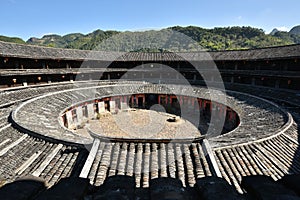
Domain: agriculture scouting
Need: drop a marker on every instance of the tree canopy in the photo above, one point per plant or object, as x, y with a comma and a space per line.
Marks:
219, 38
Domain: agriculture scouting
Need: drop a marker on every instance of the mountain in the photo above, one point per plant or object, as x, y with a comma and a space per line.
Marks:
12, 39
293, 36
274, 31
219, 38
52, 40
295, 30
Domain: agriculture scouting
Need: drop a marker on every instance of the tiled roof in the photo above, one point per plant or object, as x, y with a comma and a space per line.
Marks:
39, 52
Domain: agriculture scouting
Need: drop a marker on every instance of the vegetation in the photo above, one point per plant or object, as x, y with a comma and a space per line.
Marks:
231, 38
12, 39
227, 38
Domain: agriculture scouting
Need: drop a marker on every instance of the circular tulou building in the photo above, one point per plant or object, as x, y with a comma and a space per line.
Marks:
107, 125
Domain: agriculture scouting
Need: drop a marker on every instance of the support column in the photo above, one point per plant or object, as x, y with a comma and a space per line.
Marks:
101, 107
124, 106
253, 81
277, 84
112, 105
69, 117
235, 67
180, 101
79, 115
193, 102
200, 103
90, 111
220, 107
230, 115
132, 100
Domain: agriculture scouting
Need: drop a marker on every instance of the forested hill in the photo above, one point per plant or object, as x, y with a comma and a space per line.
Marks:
227, 38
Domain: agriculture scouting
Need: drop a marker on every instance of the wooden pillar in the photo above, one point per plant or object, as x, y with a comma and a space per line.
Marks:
90, 111
69, 119
112, 105
200, 103
230, 115
220, 107
101, 107
79, 115
277, 83
253, 81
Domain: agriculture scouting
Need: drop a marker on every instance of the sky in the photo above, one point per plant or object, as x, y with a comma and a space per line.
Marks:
35, 18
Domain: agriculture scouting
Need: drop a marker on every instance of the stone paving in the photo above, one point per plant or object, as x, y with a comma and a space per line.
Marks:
141, 124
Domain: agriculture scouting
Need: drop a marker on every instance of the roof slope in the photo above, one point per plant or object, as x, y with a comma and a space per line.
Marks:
39, 52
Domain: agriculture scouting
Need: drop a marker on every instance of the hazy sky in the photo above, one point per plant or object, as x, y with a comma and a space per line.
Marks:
27, 18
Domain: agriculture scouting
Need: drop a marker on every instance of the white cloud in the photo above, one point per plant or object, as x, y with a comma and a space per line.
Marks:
283, 28
49, 33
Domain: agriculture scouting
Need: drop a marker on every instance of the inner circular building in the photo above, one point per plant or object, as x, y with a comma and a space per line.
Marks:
149, 116
125, 135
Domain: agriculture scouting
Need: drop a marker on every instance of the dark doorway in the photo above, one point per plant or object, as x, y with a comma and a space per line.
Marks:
107, 106
140, 102
151, 99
